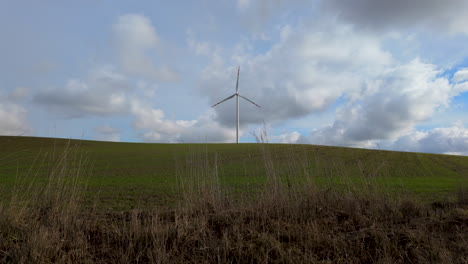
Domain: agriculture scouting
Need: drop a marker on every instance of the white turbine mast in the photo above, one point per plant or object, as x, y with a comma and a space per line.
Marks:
237, 95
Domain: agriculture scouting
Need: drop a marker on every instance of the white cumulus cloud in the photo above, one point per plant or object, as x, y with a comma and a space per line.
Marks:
304, 73
155, 127
13, 116
446, 140
107, 133
288, 137
461, 75
392, 104
13, 120
138, 42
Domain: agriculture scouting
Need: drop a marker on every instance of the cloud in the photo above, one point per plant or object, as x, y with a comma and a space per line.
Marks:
201, 48
447, 16
305, 72
242, 4
289, 137
461, 75
446, 140
156, 128
104, 93
19, 93
138, 45
107, 133
13, 116
390, 106
263, 8
257, 13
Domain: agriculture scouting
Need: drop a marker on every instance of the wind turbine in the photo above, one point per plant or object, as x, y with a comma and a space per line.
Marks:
237, 95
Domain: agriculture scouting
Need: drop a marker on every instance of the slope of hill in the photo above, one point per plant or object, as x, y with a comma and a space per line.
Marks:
74, 201
129, 173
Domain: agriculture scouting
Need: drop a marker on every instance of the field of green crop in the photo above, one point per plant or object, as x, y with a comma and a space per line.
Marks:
72, 201
128, 175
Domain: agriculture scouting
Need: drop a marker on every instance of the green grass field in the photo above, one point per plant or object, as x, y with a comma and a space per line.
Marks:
72, 201
128, 175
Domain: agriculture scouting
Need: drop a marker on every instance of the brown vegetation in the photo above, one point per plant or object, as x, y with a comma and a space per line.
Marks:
284, 223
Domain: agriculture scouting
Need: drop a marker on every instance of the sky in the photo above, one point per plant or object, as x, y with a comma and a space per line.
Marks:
373, 74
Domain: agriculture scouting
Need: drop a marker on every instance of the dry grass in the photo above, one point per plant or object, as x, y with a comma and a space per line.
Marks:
286, 222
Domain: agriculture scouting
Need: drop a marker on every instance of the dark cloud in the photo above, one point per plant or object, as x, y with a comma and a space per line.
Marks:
103, 94
447, 15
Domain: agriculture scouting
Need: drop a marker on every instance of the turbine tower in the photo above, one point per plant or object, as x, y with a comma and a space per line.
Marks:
237, 95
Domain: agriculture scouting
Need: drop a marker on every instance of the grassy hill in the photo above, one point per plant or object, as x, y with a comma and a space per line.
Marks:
74, 201
126, 175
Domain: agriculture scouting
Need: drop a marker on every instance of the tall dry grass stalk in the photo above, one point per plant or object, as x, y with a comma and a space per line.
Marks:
198, 181
42, 216
293, 220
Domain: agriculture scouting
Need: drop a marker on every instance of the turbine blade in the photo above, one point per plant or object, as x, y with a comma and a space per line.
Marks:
224, 100
245, 98
237, 83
